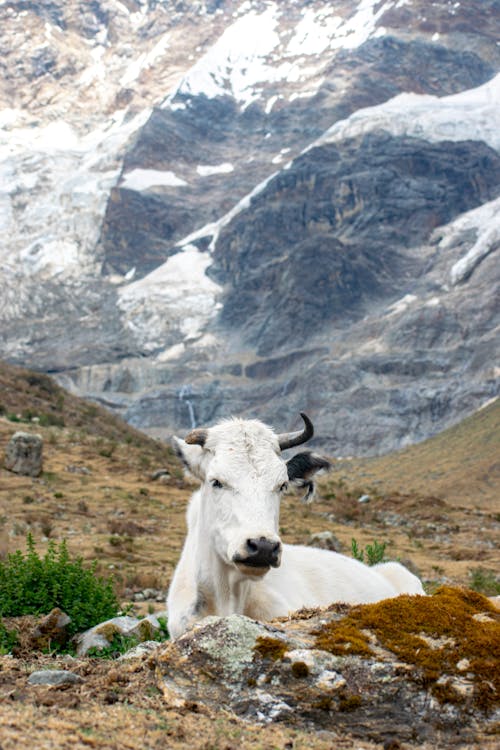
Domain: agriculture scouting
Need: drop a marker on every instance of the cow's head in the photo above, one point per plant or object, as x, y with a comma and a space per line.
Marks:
243, 476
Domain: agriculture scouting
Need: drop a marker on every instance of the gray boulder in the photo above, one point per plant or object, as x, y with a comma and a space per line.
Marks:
54, 677
23, 454
325, 540
346, 669
101, 636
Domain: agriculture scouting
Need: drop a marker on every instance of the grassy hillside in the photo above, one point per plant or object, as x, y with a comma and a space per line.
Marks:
97, 491
460, 464
434, 503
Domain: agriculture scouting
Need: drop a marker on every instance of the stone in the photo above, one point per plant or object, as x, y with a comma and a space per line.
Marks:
23, 454
54, 677
305, 670
52, 630
101, 635
160, 474
325, 540
138, 652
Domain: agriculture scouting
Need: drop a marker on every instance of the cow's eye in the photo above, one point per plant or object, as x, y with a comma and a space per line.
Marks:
215, 483
284, 487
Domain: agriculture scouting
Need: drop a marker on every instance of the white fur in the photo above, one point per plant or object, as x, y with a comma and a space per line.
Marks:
245, 457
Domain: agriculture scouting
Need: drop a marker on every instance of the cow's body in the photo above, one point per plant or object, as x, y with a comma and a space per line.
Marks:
233, 560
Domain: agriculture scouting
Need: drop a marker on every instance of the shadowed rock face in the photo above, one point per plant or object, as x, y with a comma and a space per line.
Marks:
140, 228
337, 229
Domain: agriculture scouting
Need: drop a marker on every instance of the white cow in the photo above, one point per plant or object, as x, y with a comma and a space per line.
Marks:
233, 560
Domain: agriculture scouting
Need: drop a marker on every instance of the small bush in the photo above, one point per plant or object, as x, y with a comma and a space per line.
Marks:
30, 585
375, 553
8, 639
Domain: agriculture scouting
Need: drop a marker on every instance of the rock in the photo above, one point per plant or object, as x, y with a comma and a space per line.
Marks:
54, 677
142, 649
23, 454
76, 469
325, 540
345, 667
51, 630
160, 474
364, 499
101, 636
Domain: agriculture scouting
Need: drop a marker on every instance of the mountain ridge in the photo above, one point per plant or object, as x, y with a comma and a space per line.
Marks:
210, 221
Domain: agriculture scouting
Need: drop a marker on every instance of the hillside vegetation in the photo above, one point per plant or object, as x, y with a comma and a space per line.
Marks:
98, 493
461, 464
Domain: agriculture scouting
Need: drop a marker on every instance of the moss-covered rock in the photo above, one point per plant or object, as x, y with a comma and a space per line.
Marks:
412, 667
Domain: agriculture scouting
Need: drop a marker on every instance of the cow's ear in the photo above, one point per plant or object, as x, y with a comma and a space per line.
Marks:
306, 465
301, 470
191, 456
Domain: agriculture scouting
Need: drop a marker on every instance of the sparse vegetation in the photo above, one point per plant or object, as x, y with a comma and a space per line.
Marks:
8, 639
485, 581
30, 585
372, 554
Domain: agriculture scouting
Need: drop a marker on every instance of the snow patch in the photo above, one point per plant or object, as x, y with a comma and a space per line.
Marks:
485, 222
144, 179
214, 229
401, 305
145, 61
320, 30
206, 170
236, 63
177, 298
173, 352
470, 115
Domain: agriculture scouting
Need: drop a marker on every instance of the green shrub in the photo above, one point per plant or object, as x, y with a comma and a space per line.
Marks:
375, 553
30, 585
8, 639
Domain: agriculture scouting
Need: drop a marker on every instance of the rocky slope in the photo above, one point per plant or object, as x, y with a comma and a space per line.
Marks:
255, 208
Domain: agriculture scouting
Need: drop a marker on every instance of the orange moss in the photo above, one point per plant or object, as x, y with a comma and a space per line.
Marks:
343, 638
405, 624
349, 702
270, 648
300, 669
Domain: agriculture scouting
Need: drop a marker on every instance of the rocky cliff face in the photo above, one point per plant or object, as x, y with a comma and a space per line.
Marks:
255, 208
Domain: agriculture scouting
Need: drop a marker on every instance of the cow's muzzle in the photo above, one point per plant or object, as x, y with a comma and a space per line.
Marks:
260, 553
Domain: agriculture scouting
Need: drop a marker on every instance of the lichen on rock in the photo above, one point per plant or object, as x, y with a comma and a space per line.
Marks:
425, 665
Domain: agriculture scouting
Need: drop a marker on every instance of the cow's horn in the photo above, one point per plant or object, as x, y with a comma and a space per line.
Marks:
291, 439
196, 437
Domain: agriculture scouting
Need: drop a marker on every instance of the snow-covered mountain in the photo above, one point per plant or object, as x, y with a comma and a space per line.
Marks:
215, 208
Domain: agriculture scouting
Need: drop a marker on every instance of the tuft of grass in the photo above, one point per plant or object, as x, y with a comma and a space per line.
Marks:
31, 585
484, 581
372, 554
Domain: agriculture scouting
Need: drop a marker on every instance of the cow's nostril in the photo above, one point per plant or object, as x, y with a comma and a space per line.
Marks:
262, 552
252, 546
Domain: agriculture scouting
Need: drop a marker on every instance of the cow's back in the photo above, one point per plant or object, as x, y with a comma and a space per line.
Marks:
311, 577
